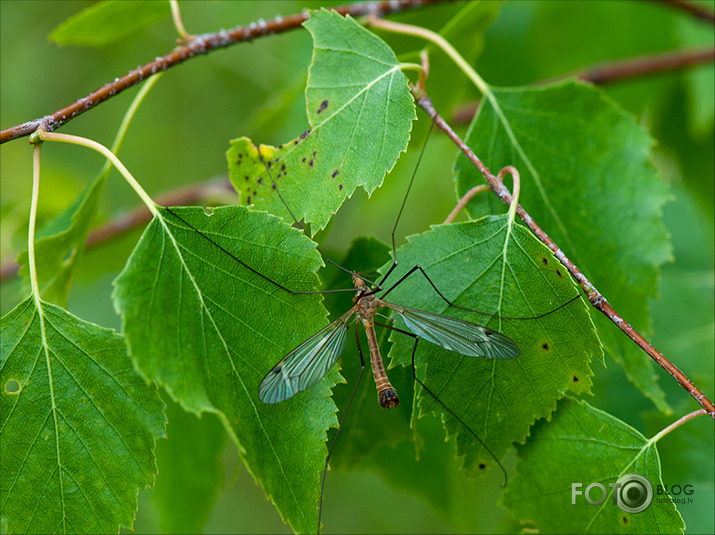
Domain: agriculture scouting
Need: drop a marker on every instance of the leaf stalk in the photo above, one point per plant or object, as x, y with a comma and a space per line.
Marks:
90, 144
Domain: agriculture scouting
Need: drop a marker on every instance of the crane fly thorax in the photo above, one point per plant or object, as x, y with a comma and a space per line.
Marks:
367, 303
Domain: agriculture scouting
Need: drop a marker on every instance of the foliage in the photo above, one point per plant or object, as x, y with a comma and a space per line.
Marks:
206, 309
78, 428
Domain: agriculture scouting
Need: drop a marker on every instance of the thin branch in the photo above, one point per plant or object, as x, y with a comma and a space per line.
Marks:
200, 45
138, 216
651, 64
693, 8
596, 299
606, 73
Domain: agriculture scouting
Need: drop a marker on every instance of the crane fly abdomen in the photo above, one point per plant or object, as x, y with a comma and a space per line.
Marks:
367, 306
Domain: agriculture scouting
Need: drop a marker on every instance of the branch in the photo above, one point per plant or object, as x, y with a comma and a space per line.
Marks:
621, 70
604, 73
693, 9
200, 45
596, 299
140, 215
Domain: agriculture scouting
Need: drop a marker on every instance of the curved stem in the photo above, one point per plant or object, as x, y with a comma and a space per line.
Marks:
184, 36
441, 42
84, 142
464, 201
31, 228
678, 423
411, 67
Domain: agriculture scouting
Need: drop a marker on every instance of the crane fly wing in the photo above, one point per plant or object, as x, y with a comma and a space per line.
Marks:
460, 336
306, 364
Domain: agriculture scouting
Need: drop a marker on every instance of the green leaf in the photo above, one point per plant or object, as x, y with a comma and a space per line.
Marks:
498, 269
190, 470
108, 22
587, 181
360, 112
208, 329
584, 445
78, 423
60, 244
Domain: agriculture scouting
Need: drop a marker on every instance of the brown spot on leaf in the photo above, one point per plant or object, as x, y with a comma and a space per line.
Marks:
340, 186
323, 106
305, 134
545, 346
575, 379
544, 261
335, 173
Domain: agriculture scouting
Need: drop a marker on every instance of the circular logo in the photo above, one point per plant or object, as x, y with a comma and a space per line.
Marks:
633, 493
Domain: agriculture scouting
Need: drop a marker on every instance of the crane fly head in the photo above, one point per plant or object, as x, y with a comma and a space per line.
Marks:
360, 286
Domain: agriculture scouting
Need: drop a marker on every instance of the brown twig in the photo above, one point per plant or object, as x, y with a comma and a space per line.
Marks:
596, 299
200, 45
692, 8
615, 71
138, 216
651, 64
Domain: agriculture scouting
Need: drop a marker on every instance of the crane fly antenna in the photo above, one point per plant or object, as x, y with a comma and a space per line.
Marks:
302, 227
402, 207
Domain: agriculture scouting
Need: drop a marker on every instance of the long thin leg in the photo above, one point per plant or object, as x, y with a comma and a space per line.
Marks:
252, 270
450, 303
450, 411
340, 426
399, 214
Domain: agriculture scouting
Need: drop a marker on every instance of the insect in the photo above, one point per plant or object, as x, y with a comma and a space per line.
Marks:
310, 361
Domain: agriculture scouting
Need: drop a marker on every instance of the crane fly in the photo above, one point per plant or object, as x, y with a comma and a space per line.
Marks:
309, 362
305, 365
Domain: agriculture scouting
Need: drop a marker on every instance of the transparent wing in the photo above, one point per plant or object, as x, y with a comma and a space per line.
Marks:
463, 337
306, 364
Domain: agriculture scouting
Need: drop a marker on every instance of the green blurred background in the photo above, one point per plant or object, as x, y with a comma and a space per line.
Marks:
180, 136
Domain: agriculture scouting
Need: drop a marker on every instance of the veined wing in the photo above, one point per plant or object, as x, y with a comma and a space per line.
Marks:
463, 337
306, 364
